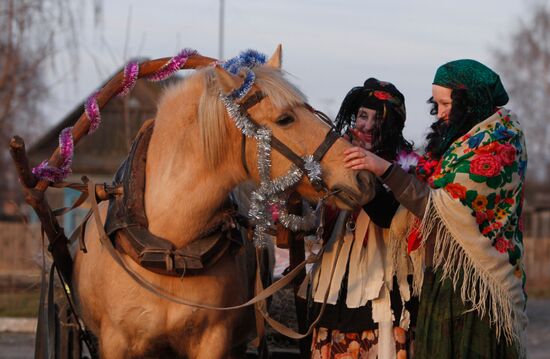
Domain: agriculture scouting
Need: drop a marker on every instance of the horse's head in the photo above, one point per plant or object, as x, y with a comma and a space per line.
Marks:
301, 138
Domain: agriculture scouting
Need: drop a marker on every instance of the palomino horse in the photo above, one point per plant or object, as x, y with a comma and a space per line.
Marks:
193, 162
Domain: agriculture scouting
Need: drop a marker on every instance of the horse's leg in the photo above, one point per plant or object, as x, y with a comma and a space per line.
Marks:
113, 344
215, 343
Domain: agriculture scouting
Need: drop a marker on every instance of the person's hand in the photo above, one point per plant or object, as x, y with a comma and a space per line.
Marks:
358, 158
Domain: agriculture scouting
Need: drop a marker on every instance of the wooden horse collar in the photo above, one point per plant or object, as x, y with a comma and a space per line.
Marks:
127, 226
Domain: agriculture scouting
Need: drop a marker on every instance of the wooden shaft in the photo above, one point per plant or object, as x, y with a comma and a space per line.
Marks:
37, 200
19, 155
81, 127
34, 189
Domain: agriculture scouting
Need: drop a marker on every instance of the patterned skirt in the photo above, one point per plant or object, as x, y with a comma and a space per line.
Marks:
335, 344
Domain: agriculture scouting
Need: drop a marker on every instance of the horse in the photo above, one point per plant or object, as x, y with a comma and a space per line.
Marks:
194, 159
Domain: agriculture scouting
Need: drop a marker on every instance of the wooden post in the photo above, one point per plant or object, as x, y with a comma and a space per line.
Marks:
37, 200
294, 241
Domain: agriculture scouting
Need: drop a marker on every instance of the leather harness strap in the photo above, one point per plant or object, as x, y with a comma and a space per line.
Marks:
262, 294
331, 137
246, 105
127, 223
117, 257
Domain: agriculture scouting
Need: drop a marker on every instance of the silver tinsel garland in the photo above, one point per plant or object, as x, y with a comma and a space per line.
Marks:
271, 192
298, 223
313, 168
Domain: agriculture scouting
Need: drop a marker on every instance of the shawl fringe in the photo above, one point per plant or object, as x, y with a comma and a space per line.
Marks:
479, 288
401, 227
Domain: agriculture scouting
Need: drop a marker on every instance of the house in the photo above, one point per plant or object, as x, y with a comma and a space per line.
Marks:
98, 155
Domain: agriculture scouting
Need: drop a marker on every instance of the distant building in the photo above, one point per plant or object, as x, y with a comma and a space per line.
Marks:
98, 155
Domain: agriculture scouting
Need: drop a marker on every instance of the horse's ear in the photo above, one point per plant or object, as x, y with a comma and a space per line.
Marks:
277, 58
228, 82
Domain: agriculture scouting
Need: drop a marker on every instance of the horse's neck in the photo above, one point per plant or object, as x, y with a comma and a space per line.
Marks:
182, 194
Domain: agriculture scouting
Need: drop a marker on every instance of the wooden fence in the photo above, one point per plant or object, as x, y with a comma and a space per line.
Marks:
20, 251
537, 263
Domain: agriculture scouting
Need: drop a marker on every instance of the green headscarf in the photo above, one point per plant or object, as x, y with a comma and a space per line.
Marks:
485, 91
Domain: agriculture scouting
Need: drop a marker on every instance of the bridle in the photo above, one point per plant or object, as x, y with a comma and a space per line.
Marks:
273, 191
331, 137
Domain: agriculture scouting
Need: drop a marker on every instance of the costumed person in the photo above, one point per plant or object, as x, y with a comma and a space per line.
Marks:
467, 196
365, 315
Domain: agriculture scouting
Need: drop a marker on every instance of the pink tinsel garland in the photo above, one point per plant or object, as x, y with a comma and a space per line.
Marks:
66, 147
131, 72
66, 143
91, 108
173, 65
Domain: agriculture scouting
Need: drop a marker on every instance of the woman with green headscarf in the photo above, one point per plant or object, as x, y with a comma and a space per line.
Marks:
463, 218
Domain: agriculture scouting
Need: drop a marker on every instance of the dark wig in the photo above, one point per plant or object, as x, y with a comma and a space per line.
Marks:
444, 133
387, 135
389, 104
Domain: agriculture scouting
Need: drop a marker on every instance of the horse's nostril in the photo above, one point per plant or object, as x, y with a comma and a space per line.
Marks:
365, 181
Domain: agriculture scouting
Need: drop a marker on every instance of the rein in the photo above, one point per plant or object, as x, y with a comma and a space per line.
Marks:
262, 295
271, 191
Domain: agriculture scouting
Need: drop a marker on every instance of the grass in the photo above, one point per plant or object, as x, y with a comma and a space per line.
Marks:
19, 303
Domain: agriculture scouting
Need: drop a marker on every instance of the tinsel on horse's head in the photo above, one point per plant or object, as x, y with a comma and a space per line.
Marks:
248, 58
245, 61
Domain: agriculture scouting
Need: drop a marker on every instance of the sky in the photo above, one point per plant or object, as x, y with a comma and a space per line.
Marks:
328, 46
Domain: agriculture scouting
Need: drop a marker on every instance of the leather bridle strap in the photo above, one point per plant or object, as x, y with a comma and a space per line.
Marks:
254, 99
250, 102
243, 154
283, 149
327, 143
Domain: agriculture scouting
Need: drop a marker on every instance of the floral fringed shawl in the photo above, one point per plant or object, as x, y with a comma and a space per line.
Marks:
474, 211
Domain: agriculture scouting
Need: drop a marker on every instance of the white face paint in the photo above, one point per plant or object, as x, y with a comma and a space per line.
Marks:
364, 123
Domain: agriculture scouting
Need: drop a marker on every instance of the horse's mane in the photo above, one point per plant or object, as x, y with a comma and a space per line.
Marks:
211, 111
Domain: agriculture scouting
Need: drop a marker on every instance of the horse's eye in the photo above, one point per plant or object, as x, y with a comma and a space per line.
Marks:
284, 120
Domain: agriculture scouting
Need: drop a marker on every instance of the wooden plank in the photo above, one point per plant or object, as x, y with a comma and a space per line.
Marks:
537, 262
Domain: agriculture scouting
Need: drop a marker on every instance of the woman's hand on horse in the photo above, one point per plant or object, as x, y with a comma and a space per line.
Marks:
358, 158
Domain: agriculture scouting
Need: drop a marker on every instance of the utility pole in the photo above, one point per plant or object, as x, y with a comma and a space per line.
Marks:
220, 40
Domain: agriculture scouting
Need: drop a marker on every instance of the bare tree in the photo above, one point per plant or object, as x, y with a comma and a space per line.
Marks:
525, 67
33, 34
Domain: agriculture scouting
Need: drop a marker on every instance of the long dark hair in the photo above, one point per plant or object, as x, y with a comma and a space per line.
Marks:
389, 104
444, 133
387, 135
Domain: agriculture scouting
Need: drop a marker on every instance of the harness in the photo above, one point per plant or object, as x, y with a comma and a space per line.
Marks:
127, 223
127, 226
331, 137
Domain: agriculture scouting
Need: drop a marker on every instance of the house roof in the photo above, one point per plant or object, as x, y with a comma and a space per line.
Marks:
104, 150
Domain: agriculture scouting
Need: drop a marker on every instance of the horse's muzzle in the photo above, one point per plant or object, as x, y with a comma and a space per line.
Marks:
356, 198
